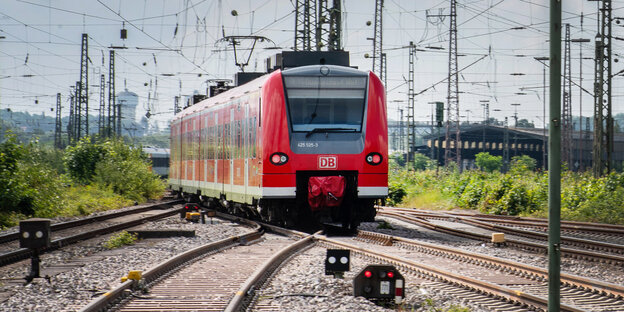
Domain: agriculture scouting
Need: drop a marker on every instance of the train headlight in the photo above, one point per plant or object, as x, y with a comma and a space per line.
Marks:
279, 159
374, 159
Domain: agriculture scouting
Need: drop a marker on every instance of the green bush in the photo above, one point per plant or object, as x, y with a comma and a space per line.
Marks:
114, 165
87, 199
523, 163
28, 187
519, 192
126, 171
422, 162
396, 192
11, 185
80, 160
487, 162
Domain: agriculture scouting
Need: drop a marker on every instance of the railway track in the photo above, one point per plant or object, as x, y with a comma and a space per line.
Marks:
609, 233
226, 279
220, 276
504, 279
593, 250
67, 233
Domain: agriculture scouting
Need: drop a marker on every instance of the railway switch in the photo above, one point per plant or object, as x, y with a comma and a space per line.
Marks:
382, 283
34, 234
337, 261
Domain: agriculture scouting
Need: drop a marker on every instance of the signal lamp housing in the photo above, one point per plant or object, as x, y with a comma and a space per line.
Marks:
279, 159
374, 159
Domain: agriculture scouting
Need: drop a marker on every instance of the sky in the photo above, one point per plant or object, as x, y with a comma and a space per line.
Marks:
174, 47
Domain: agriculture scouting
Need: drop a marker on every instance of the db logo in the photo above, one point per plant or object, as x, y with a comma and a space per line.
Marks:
327, 162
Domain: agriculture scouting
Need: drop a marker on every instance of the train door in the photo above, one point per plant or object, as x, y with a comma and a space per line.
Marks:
187, 151
205, 148
194, 142
231, 149
246, 144
176, 160
219, 158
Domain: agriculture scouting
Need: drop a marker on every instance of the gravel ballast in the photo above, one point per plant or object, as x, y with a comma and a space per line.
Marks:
94, 269
299, 285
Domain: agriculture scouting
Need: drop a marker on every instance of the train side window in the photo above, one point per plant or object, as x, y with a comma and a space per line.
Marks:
231, 138
210, 142
236, 139
243, 135
239, 139
183, 146
206, 141
248, 137
253, 138
227, 141
218, 141
259, 112
223, 141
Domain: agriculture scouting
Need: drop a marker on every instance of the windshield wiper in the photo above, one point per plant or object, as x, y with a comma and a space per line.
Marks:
329, 130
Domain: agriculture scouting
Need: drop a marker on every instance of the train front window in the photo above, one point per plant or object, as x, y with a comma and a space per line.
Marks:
325, 103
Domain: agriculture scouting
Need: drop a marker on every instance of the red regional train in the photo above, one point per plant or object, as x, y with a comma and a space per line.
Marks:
302, 145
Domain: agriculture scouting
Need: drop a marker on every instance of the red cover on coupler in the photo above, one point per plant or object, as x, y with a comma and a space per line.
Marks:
325, 192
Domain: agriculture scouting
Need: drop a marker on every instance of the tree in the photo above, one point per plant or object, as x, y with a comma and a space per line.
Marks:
487, 162
524, 123
422, 162
81, 159
523, 163
398, 159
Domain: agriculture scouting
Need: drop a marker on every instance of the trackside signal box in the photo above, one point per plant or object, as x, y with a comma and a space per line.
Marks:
337, 261
34, 233
380, 283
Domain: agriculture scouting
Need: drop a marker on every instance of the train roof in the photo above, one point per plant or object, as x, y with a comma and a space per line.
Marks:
308, 70
224, 97
324, 70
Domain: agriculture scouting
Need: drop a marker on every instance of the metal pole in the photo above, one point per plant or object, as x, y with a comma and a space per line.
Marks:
544, 119
554, 161
581, 138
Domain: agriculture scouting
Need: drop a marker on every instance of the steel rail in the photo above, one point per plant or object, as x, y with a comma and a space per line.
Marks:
105, 301
572, 241
536, 222
247, 291
509, 294
512, 266
594, 228
12, 236
24, 253
569, 252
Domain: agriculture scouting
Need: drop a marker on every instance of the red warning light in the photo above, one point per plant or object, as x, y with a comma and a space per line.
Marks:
368, 274
376, 159
275, 158
390, 274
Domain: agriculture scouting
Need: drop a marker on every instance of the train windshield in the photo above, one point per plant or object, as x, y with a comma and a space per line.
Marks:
326, 103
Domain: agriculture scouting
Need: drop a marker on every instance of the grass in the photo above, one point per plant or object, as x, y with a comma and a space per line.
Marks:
120, 239
84, 200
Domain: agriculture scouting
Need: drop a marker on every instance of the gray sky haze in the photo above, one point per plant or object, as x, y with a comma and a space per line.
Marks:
173, 48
